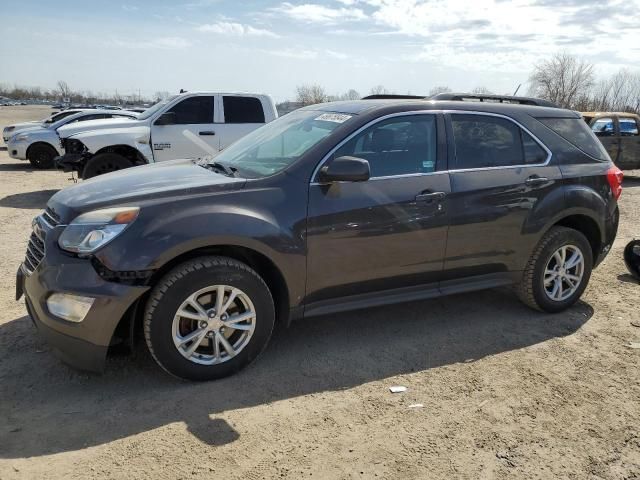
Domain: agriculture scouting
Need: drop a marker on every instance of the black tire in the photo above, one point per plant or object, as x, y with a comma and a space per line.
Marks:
531, 289
178, 285
105, 163
41, 155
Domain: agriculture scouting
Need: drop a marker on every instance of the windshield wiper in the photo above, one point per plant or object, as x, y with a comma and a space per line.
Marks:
226, 169
220, 167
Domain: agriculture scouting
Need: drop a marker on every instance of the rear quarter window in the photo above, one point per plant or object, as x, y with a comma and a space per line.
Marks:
577, 133
242, 110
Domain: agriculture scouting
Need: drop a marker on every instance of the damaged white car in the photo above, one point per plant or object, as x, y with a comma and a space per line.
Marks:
188, 125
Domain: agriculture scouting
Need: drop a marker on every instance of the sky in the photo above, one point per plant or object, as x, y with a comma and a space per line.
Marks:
408, 46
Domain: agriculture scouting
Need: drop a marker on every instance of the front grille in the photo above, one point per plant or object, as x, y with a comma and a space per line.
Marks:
35, 253
51, 217
35, 248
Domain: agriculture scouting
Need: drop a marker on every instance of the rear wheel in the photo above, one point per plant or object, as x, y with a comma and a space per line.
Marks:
208, 318
105, 163
41, 155
558, 271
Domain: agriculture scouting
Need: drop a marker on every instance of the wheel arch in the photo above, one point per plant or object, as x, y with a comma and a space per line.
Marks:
586, 225
135, 156
131, 323
41, 143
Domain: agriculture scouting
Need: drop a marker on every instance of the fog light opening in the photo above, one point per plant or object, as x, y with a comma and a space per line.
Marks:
72, 308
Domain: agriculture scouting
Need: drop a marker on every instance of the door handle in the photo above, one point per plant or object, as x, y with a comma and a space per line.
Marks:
535, 181
430, 196
207, 132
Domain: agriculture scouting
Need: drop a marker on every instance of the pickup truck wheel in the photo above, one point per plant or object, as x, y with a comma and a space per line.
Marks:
208, 318
558, 271
105, 163
41, 155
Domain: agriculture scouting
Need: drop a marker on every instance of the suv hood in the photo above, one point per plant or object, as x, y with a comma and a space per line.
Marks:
67, 130
165, 181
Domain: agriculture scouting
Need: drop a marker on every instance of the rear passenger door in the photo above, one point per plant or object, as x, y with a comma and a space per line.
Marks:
239, 115
498, 173
629, 143
193, 133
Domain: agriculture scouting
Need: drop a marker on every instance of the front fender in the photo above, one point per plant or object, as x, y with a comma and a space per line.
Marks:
157, 238
137, 137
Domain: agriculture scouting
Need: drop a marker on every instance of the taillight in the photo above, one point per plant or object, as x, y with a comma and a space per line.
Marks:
614, 177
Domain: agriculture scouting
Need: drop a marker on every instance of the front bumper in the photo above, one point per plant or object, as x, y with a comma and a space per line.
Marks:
71, 162
82, 345
17, 150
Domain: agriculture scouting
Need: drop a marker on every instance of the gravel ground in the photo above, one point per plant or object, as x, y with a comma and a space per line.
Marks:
506, 392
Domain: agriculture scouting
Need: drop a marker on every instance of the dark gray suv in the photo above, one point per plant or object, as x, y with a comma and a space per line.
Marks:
330, 208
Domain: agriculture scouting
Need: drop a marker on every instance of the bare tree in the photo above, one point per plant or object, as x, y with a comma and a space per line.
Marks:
311, 94
379, 90
563, 79
350, 95
63, 89
159, 96
439, 89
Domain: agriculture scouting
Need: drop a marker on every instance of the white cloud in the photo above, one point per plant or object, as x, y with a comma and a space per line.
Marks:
314, 13
236, 29
168, 43
130, 8
306, 54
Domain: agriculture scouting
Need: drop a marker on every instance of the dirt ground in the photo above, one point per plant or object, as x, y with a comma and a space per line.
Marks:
506, 392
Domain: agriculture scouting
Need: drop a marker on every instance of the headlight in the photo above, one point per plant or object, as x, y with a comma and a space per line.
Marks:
92, 230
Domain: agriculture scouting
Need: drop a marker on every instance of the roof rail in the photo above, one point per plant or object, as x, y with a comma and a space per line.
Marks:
474, 97
389, 96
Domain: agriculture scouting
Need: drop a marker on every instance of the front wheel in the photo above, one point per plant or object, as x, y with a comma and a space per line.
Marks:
41, 155
558, 271
105, 163
208, 318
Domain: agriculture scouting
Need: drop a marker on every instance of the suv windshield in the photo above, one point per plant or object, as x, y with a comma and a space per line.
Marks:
278, 144
154, 108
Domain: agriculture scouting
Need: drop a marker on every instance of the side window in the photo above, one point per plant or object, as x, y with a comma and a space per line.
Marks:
533, 152
484, 141
397, 146
628, 127
603, 127
242, 110
194, 110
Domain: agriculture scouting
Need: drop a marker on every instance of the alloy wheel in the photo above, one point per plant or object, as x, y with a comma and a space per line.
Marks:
563, 273
214, 324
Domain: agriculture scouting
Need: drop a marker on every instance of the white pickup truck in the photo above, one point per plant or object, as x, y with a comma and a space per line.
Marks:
188, 125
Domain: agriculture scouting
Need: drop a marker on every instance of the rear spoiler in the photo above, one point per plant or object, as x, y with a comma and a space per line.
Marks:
468, 97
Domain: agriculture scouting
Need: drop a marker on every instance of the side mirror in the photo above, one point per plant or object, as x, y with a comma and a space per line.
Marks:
345, 169
167, 118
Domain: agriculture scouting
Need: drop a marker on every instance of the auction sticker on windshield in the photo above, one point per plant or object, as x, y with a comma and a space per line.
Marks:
334, 117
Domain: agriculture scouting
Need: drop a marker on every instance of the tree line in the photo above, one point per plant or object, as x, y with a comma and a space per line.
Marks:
563, 79
63, 91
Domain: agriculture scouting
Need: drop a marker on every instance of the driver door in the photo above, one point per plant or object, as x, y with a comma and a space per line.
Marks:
193, 133
389, 231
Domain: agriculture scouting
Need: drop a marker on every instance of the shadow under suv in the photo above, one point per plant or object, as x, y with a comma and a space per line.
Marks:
330, 208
